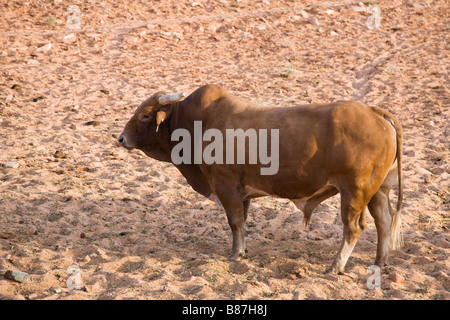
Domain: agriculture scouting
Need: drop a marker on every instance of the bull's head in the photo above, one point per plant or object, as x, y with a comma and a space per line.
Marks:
142, 129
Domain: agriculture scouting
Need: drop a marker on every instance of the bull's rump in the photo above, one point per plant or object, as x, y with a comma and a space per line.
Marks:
318, 144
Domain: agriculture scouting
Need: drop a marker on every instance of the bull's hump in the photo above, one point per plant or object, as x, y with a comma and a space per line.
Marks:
210, 93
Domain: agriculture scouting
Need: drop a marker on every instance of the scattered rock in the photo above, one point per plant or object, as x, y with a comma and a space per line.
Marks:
314, 21
11, 164
304, 14
187, 275
92, 123
68, 38
38, 98
44, 48
171, 35
59, 154
18, 276
16, 87
396, 277
33, 62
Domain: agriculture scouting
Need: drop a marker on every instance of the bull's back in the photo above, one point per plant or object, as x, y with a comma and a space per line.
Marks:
315, 143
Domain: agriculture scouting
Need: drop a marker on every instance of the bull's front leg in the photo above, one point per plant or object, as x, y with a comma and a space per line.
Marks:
236, 211
236, 221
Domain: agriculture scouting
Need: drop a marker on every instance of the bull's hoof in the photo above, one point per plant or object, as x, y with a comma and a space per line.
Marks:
334, 270
236, 256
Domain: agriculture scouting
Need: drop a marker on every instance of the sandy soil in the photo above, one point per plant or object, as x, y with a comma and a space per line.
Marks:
132, 224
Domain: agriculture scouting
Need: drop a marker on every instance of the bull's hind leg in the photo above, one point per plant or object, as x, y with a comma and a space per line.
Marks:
382, 213
380, 210
353, 217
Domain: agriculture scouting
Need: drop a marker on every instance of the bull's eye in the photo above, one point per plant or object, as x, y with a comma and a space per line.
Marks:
145, 117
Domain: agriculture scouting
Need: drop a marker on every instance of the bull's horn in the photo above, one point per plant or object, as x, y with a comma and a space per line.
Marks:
171, 98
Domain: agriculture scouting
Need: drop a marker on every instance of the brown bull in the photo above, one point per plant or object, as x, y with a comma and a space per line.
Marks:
323, 149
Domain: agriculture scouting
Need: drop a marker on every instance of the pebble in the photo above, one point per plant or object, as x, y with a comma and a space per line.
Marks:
69, 36
304, 14
187, 275
397, 278
11, 164
44, 48
33, 62
59, 154
314, 21
92, 123
38, 98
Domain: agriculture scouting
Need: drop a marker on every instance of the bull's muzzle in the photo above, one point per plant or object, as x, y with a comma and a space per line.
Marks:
122, 140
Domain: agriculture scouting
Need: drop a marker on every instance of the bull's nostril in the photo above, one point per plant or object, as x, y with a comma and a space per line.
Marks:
120, 139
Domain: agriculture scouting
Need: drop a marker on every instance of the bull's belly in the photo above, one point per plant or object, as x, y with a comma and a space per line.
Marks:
251, 192
300, 202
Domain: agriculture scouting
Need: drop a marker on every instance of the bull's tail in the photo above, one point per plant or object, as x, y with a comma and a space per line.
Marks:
396, 225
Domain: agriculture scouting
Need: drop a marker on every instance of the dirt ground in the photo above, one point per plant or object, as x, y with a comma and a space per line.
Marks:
132, 225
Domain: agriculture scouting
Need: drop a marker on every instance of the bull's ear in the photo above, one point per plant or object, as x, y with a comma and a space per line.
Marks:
160, 116
163, 114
